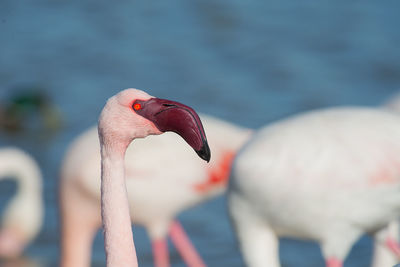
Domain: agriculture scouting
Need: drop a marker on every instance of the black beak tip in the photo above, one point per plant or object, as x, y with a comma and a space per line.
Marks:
204, 152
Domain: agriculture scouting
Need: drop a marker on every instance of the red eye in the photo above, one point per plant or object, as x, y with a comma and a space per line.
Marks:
137, 106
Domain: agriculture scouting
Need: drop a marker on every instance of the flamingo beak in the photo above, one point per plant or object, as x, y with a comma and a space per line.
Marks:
173, 116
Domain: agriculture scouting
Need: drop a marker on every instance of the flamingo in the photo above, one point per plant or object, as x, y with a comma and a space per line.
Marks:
327, 175
129, 115
159, 187
22, 219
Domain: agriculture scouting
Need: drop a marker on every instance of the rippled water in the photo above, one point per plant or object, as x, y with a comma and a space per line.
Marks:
250, 62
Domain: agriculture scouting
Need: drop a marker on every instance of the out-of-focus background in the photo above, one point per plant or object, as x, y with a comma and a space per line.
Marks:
249, 62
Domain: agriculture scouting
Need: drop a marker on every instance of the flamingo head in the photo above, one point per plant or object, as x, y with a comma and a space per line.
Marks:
134, 114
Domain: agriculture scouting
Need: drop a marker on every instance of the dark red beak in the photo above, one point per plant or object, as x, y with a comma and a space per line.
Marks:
172, 116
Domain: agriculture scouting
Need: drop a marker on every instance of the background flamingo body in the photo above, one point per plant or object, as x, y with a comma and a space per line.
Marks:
22, 219
328, 176
159, 185
382, 255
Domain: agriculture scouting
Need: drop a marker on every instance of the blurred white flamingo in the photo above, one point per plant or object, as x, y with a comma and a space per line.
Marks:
328, 175
22, 219
162, 179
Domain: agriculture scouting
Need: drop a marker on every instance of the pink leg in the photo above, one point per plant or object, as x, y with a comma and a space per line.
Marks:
334, 262
393, 246
160, 253
184, 246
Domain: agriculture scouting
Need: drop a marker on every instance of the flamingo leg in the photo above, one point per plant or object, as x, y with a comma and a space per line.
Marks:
393, 245
184, 246
160, 252
334, 262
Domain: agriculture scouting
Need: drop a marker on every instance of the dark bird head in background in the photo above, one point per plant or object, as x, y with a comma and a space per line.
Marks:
29, 108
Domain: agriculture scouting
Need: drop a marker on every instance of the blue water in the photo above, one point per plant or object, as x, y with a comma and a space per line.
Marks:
250, 62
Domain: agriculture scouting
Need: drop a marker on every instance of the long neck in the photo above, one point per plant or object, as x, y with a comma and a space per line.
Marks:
18, 165
118, 238
25, 208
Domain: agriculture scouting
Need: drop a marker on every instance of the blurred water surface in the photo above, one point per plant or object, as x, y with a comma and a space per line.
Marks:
250, 62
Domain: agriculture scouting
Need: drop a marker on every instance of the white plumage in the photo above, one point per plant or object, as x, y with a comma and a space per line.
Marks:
328, 175
164, 177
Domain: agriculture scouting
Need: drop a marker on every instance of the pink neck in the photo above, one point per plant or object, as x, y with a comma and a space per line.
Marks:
118, 238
